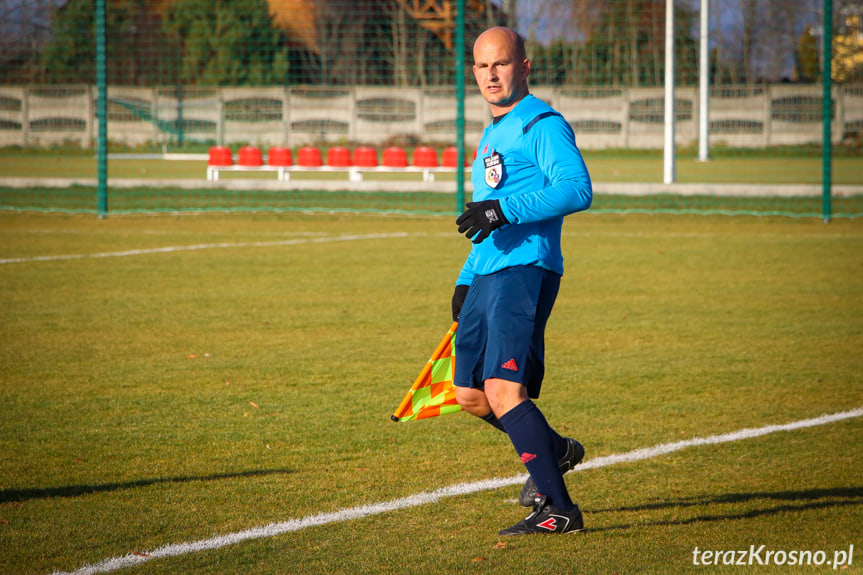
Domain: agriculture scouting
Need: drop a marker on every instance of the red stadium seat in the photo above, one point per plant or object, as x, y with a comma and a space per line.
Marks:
279, 157
339, 157
220, 156
425, 157
395, 157
250, 156
450, 157
309, 157
365, 157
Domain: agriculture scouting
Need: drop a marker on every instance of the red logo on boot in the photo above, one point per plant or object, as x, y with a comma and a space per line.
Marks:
550, 524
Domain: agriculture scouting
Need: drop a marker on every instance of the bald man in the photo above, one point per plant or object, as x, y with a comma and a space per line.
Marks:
527, 175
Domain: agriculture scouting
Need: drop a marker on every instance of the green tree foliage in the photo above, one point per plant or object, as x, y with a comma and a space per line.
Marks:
228, 42
135, 42
71, 57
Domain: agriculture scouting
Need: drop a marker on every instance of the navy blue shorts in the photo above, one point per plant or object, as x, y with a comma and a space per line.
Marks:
501, 331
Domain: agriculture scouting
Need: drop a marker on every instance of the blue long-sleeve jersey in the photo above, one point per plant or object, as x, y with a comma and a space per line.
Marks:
543, 179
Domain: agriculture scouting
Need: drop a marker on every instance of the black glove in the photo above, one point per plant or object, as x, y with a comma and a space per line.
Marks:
458, 300
480, 219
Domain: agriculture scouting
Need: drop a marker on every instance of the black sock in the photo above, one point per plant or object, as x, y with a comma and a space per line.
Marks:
492, 420
533, 440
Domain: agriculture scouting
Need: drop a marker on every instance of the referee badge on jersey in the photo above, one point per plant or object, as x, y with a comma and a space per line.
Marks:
493, 170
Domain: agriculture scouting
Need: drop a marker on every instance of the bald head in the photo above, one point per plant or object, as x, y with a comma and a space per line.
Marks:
501, 68
503, 35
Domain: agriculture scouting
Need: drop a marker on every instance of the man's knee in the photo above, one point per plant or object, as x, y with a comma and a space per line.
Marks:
503, 395
472, 400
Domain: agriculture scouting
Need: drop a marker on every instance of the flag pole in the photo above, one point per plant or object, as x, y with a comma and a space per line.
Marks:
447, 339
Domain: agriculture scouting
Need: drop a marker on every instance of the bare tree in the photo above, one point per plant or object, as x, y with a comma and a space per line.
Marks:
25, 29
632, 25
399, 34
748, 8
344, 54
585, 17
510, 8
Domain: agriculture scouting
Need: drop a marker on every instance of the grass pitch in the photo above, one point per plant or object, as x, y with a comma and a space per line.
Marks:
169, 396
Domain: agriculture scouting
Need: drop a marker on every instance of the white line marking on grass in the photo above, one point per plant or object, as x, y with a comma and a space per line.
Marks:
425, 498
173, 249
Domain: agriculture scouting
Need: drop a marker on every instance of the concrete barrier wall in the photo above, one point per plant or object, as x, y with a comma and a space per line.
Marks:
602, 117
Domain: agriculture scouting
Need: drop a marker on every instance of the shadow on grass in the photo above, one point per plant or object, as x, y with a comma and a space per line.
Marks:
773, 503
17, 495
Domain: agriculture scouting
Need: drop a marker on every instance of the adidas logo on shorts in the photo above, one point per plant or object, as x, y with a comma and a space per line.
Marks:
510, 365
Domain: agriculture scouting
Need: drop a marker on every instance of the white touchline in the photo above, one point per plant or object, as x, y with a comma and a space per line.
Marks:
172, 249
425, 498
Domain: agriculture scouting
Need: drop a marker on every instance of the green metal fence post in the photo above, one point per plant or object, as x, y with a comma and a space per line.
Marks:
458, 50
179, 115
101, 111
827, 113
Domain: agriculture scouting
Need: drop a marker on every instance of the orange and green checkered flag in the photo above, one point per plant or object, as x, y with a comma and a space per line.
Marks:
432, 393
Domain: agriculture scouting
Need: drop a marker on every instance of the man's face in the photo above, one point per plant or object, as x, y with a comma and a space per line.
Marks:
500, 72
